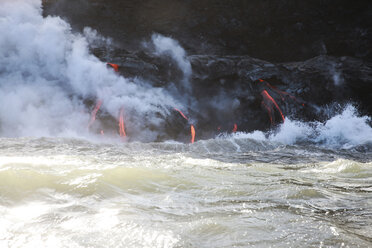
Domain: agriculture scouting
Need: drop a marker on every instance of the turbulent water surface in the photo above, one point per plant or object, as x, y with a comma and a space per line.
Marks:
96, 157
225, 192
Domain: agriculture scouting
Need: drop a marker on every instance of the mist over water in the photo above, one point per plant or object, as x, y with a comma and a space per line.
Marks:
299, 183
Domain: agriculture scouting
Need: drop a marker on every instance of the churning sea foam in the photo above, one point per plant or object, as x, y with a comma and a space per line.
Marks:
344, 130
47, 71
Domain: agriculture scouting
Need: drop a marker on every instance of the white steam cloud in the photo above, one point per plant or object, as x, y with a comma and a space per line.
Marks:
46, 71
166, 45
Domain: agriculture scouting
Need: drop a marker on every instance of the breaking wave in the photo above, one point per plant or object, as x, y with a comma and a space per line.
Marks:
345, 130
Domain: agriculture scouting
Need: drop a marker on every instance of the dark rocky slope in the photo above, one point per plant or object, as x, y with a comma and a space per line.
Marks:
229, 45
280, 30
227, 89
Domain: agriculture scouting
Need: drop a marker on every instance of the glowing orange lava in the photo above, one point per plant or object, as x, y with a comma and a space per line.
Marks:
271, 101
179, 111
94, 113
281, 93
268, 111
192, 128
114, 66
121, 123
235, 128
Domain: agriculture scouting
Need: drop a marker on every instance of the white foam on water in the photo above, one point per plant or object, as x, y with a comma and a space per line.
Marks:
103, 224
343, 166
344, 130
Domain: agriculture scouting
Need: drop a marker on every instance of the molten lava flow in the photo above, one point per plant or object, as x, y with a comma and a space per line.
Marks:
281, 93
94, 113
268, 111
192, 133
179, 111
270, 100
235, 128
114, 66
191, 126
121, 123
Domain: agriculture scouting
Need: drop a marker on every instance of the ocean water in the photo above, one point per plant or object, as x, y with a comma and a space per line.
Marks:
305, 184
223, 192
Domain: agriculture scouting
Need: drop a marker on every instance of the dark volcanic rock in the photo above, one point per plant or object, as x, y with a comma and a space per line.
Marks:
227, 90
229, 44
281, 30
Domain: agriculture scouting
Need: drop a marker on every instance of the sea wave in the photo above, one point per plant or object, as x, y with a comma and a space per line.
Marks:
343, 131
